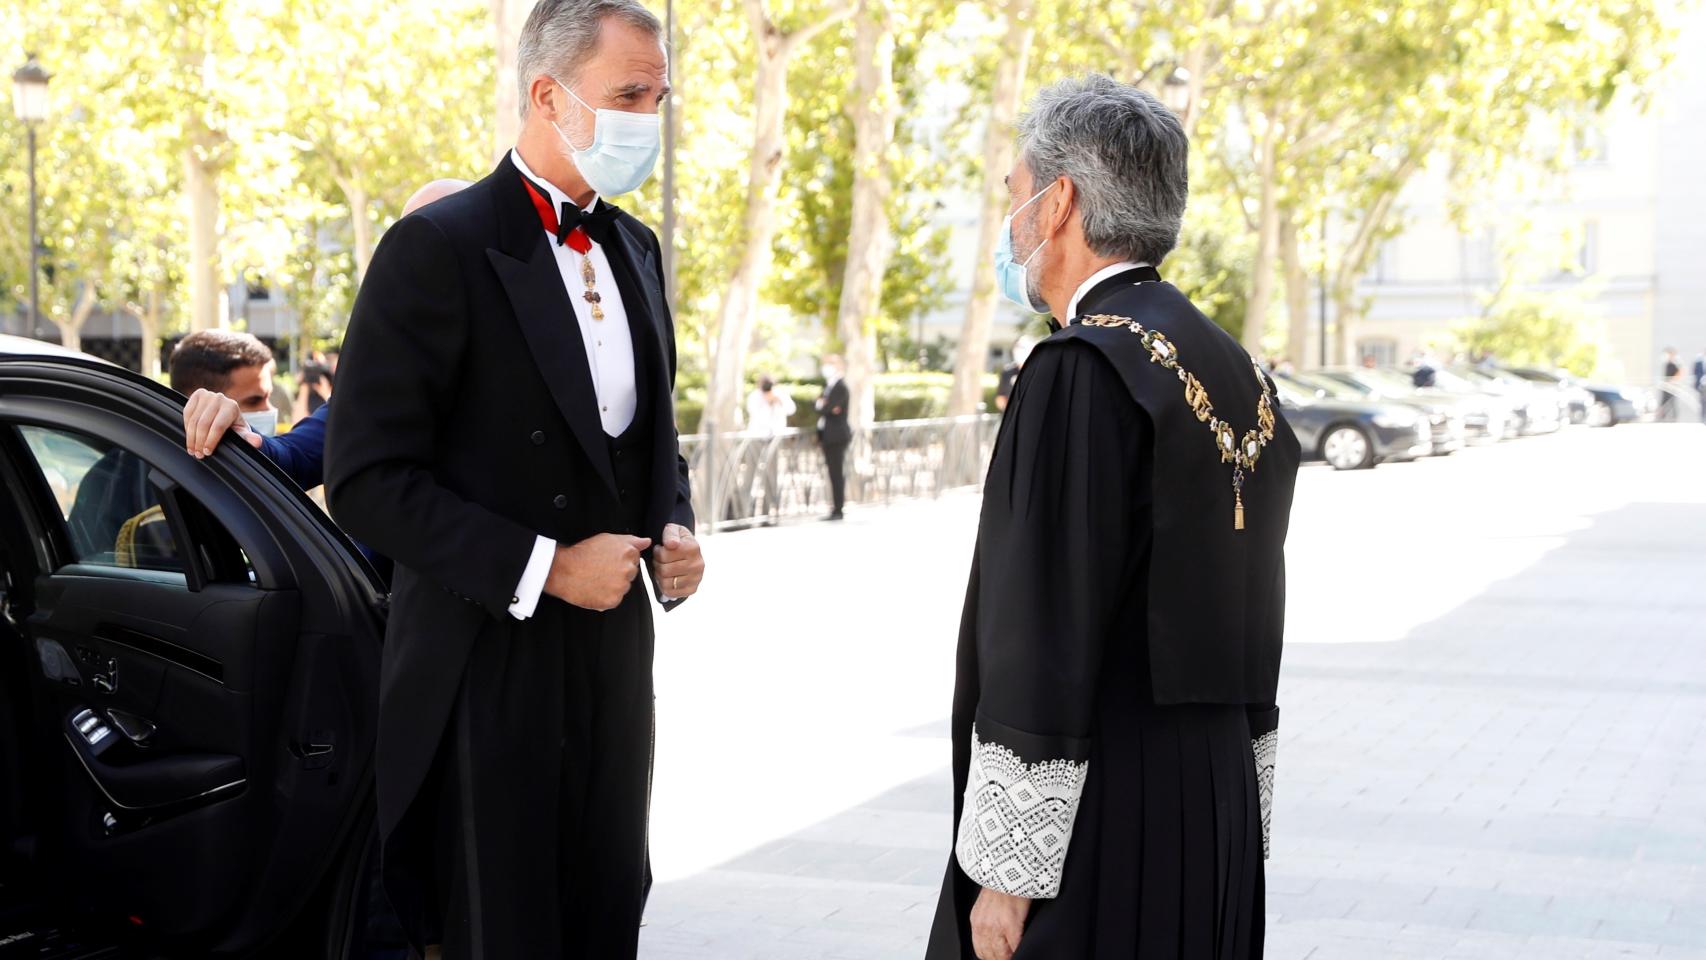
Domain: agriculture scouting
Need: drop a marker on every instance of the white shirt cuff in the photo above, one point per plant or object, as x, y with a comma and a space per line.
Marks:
533, 578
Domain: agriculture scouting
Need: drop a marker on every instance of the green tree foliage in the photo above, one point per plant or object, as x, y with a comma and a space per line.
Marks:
300, 126
811, 249
1533, 330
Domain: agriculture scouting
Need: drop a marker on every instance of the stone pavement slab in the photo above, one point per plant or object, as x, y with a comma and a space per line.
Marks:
1493, 737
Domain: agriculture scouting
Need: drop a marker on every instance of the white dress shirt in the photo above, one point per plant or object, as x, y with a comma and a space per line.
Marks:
1111, 270
609, 358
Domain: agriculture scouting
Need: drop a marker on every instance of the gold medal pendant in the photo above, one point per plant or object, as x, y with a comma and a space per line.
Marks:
589, 276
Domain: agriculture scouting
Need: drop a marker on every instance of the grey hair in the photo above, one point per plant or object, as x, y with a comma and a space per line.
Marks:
1126, 155
560, 35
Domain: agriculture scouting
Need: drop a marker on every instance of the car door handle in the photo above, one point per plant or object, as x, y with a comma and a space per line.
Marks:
315, 749
135, 729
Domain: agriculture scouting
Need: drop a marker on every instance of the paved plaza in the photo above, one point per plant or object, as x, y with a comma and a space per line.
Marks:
1493, 733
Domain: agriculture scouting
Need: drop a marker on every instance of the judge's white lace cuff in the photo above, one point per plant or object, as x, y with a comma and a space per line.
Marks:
1266, 750
1017, 821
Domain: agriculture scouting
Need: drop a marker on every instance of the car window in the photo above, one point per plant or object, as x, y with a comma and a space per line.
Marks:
112, 513
1387, 381
1332, 387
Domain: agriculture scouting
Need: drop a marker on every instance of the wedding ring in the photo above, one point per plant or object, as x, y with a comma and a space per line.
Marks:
675, 585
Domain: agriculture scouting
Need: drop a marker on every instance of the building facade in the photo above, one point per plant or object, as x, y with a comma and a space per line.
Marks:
1621, 233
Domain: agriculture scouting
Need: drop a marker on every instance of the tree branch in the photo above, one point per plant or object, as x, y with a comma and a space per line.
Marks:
800, 36
759, 18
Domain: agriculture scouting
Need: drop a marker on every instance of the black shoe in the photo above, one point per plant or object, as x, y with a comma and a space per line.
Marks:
835, 516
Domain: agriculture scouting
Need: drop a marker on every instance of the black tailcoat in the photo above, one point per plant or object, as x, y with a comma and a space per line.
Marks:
466, 425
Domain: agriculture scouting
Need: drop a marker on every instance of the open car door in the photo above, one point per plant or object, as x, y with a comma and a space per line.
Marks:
188, 682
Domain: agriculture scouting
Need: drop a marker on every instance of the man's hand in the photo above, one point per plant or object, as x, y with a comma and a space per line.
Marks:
677, 563
206, 418
597, 572
997, 923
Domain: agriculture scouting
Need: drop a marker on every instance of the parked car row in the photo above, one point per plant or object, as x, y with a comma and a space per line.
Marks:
1356, 417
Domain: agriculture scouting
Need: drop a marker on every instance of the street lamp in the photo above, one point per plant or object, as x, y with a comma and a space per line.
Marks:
29, 102
1176, 90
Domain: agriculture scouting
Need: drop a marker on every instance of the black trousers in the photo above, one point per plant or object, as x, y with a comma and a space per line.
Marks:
835, 457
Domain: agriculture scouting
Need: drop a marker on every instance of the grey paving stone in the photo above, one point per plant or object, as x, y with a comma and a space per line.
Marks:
1521, 776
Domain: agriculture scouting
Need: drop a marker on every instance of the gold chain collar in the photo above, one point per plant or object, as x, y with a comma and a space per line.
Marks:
1242, 454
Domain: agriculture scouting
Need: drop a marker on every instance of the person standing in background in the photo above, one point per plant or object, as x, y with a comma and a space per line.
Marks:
1010, 373
767, 413
314, 386
833, 432
1700, 381
1672, 372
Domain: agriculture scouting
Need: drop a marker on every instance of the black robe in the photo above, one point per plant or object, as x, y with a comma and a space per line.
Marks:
513, 757
1102, 755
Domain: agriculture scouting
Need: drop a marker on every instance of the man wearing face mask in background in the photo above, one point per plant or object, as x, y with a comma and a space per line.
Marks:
504, 430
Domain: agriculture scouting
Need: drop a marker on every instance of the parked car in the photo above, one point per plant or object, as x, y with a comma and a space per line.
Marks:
1602, 405
189, 660
1533, 410
1352, 434
1445, 420
1489, 414
1484, 417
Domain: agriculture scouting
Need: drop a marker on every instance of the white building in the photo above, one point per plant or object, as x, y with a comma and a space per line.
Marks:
1622, 233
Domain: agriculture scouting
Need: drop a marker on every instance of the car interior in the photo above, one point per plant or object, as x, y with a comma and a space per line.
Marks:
188, 684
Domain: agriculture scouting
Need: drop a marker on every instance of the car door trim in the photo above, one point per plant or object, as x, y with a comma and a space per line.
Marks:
178, 656
204, 795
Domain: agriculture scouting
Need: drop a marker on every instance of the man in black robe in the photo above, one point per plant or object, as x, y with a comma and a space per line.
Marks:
1120, 643
504, 429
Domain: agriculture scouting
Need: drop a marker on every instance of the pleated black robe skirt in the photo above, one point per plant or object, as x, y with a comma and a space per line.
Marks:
1166, 855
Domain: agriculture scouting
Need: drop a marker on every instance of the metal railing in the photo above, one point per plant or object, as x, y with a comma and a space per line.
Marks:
744, 479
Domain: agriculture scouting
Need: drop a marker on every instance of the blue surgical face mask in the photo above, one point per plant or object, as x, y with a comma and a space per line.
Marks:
624, 148
1010, 277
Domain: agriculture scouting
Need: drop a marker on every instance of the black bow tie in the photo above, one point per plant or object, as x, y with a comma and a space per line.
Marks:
600, 224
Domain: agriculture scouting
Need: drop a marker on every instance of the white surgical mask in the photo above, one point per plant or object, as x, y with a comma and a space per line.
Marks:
263, 422
624, 148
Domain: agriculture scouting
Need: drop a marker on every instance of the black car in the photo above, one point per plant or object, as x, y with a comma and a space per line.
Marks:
1353, 434
189, 656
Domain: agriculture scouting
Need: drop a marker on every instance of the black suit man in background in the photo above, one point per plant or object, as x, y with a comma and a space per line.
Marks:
505, 431
833, 431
